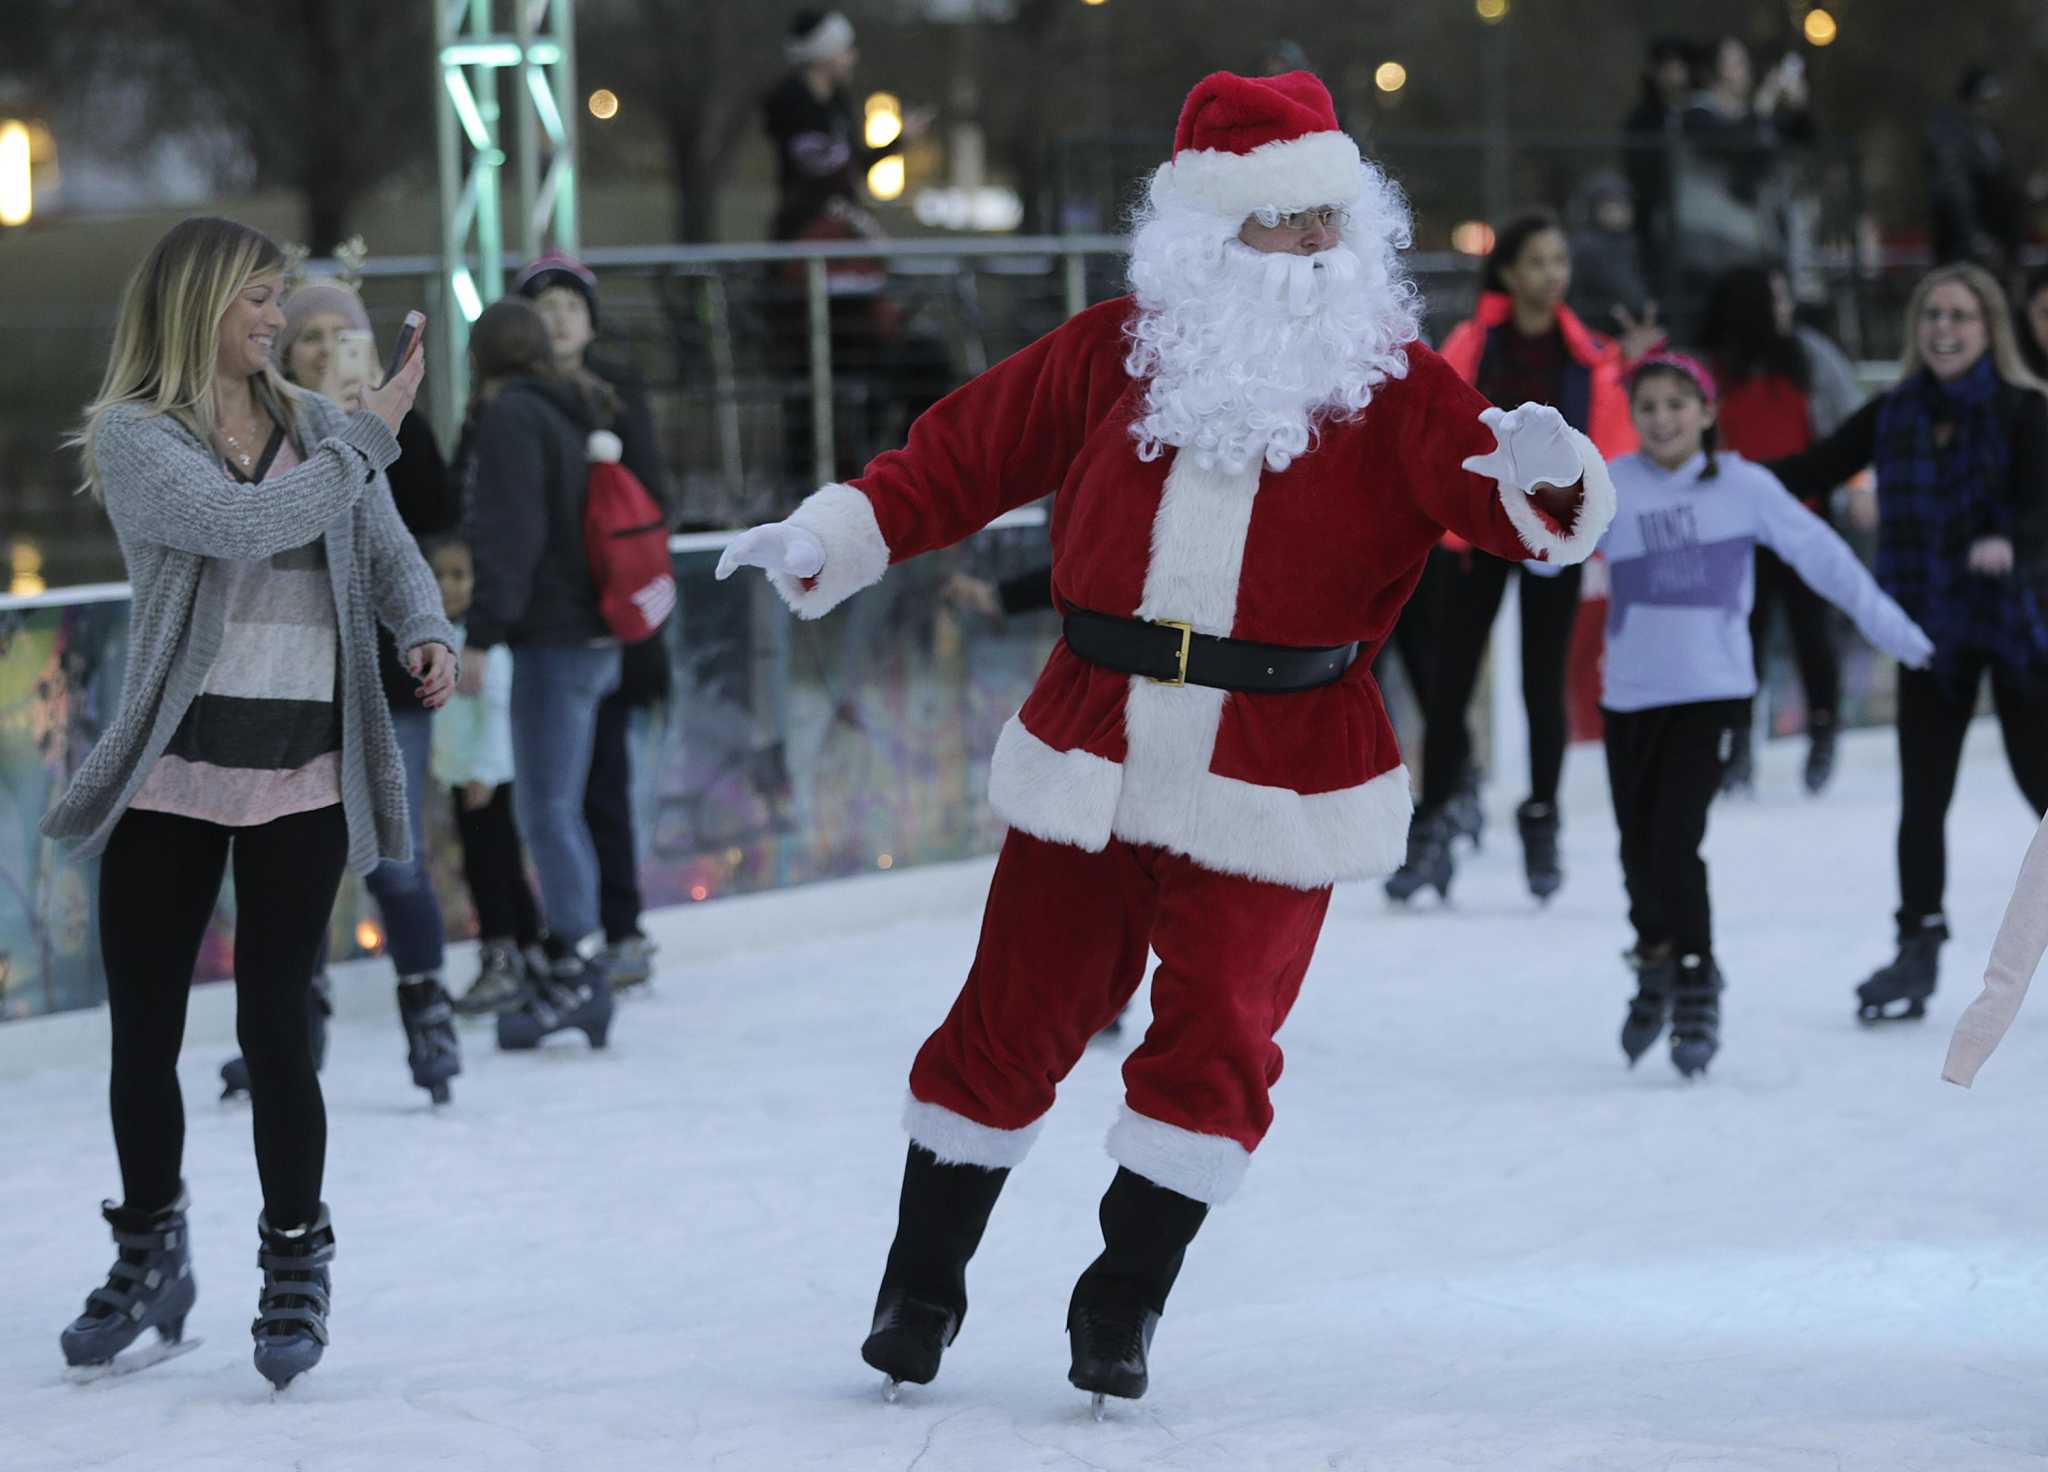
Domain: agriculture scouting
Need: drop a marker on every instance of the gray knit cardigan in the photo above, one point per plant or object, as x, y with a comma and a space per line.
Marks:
178, 516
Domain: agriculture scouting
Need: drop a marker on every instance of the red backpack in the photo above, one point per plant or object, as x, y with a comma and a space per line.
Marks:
626, 538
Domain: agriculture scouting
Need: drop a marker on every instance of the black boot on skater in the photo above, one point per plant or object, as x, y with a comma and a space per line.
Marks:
1695, 1014
431, 1048
1820, 751
1464, 812
1428, 865
234, 1074
291, 1314
1910, 977
573, 994
1537, 823
1116, 1305
150, 1286
1656, 975
940, 1217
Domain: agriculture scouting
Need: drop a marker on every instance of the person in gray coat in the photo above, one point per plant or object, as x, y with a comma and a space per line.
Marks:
263, 549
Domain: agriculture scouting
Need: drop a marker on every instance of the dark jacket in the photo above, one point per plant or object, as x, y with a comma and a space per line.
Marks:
527, 475
430, 504
1973, 199
819, 152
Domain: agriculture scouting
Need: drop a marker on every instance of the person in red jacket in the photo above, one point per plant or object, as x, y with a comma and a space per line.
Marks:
1252, 455
1522, 344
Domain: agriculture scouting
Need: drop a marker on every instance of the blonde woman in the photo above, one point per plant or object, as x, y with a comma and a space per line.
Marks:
263, 548
1960, 448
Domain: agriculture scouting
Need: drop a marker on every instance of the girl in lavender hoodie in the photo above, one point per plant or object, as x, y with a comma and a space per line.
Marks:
1678, 675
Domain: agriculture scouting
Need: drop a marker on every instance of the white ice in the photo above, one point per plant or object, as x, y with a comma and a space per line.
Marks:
1474, 1239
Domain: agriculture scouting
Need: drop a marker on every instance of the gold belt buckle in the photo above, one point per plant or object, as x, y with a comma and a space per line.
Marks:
1187, 639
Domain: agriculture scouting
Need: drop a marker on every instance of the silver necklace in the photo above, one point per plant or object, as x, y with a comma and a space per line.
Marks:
241, 454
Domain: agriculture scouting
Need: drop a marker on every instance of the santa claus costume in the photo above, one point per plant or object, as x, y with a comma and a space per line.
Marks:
1251, 456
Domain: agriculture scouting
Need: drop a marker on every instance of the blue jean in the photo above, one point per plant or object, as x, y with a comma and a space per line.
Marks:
555, 693
413, 935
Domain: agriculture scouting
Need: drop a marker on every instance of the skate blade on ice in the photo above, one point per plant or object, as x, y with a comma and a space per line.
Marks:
892, 1390
132, 1360
1098, 1406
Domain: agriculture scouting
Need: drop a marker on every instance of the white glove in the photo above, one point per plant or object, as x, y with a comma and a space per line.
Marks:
781, 546
1534, 448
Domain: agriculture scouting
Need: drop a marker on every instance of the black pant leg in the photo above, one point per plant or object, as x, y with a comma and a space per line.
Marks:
1550, 611
1933, 720
286, 876
1471, 588
1630, 740
2022, 705
608, 809
494, 867
1810, 619
1697, 742
159, 881
1767, 592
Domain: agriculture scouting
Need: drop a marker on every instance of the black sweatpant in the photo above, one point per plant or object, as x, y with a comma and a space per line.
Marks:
1664, 766
1806, 615
1934, 717
608, 809
494, 868
159, 881
1468, 597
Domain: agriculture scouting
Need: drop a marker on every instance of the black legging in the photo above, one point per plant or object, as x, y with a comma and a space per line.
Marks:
1414, 635
494, 867
1934, 718
608, 809
1813, 646
159, 881
1664, 766
1468, 598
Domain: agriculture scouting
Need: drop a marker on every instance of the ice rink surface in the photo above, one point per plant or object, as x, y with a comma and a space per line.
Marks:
1474, 1239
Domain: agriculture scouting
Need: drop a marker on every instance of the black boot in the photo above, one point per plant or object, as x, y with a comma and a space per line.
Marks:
291, 1315
1820, 750
1117, 1303
149, 1287
1537, 823
574, 995
1464, 813
1428, 865
1656, 974
940, 1217
432, 1050
1695, 1014
1909, 978
1739, 775
234, 1074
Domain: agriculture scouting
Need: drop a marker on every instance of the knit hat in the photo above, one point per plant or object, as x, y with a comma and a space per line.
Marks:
813, 37
1683, 364
310, 299
557, 269
1250, 143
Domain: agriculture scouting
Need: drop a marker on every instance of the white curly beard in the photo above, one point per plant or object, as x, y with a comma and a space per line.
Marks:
1247, 352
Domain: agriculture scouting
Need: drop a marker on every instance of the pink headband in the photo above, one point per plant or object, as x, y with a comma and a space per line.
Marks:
1691, 367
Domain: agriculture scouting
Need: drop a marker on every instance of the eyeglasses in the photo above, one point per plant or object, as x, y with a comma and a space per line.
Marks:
1329, 216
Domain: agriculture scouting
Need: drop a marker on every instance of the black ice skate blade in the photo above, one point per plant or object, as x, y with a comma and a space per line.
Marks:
131, 1361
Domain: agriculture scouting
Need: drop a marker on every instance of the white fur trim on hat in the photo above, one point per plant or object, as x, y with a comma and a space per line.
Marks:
855, 554
1291, 174
1208, 1168
831, 36
958, 1140
604, 447
1596, 510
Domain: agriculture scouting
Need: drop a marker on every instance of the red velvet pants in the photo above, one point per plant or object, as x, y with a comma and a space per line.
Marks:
1063, 946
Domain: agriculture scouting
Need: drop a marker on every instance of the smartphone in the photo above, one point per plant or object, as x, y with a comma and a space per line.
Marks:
351, 365
408, 339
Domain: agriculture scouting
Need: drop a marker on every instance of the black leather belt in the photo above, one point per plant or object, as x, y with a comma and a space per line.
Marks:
1174, 654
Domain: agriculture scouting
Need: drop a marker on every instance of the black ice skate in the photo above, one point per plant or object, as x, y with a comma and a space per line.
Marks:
1538, 825
1464, 813
940, 1216
1428, 865
150, 1286
1117, 1303
291, 1315
501, 980
1656, 974
1820, 751
574, 995
1738, 774
1910, 977
432, 1050
234, 1074
1695, 1014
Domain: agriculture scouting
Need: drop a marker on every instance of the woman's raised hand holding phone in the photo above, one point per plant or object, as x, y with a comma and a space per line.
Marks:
392, 400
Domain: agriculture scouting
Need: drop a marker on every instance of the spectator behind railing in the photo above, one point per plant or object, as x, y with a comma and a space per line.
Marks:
1607, 275
1974, 197
1649, 132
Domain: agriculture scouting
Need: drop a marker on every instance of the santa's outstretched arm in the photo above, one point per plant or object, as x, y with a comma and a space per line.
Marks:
998, 442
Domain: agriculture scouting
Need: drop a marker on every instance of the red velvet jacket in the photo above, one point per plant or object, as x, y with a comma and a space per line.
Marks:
1301, 789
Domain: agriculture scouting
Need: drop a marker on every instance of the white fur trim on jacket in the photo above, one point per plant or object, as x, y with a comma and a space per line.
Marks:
1208, 1168
1292, 174
958, 1140
1232, 827
855, 554
1596, 510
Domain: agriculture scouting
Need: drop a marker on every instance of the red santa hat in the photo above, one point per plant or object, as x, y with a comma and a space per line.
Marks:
1250, 143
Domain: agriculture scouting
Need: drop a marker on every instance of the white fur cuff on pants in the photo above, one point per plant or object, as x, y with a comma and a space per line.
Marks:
1207, 1168
958, 1140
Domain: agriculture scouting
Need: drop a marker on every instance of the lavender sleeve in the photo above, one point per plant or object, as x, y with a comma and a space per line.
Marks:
1826, 565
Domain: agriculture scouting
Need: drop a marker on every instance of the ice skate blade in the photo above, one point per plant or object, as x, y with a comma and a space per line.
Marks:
1872, 1014
1098, 1406
892, 1390
131, 1361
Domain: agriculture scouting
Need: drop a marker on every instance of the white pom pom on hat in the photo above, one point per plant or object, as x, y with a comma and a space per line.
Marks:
604, 447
